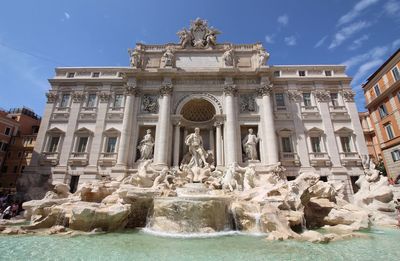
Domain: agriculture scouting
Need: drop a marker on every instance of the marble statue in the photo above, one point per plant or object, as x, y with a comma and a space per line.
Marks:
146, 146
135, 58
262, 57
168, 58
211, 37
185, 38
250, 145
229, 181
199, 35
196, 149
228, 58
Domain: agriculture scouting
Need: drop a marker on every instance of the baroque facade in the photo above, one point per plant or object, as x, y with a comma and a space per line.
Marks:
97, 120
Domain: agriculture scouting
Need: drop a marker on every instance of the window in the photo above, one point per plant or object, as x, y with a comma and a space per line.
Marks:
280, 101
64, 100
82, 144
286, 145
7, 131
15, 170
19, 154
277, 73
95, 74
118, 100
71, 75
91, 101
383, 111
328, 73
345, 141
53, 144
389, 131
396, 73
307, 99
111, 144
3, 146
377, 90
398, 96
396, 155
316, 144
302, 73
22, 169
334, 99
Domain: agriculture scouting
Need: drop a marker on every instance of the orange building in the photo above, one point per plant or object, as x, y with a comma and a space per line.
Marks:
382, 93
8, 128
374, 150
20, 147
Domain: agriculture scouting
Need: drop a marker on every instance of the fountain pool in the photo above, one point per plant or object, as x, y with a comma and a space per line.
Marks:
139, 245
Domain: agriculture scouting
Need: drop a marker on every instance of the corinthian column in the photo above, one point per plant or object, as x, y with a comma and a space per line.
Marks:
218, 138
130, 92
230, 140
163, 126
269, 138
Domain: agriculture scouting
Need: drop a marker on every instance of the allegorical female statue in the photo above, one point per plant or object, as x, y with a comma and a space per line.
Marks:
250, 145
195, 143
146, 146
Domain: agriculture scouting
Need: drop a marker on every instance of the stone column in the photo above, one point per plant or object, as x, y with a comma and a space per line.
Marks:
177, 132
230, 91
218, 139
212, 141
163, 126
269, 124
130, 92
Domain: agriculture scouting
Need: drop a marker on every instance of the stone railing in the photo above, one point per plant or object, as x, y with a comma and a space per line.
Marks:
319, 159
108, 159
350, 159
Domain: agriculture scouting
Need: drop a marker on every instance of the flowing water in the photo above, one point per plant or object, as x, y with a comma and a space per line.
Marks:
139, 245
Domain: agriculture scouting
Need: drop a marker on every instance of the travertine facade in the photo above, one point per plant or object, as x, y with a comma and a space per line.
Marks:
304, 116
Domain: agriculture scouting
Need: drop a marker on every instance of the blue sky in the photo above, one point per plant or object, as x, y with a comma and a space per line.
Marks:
37, 36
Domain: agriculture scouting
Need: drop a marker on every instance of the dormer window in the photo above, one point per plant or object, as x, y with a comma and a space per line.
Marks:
71, 75
302, 73
328, 73
96, 75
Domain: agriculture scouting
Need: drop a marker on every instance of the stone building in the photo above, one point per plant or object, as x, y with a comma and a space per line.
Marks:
96, 118
382, 93
374, 150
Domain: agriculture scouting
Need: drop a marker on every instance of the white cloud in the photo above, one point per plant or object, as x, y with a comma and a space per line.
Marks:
67, 16
346, 32
396, 44
364, 70
283, 19
269, 39
392, 7
358, 42
355, 11
320, 42
290, 40
376, 53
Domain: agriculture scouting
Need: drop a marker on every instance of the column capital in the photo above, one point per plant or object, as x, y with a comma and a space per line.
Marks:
348, 95
322, 95
294, 95
230, 89
104, 96
265, 89
51, 97
166, 87
78, 97
218, 124
131, 87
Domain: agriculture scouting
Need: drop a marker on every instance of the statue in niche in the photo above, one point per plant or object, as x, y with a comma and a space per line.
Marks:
262, 57
135, 58
167, 59
228, 58
146, 146
196, 149
250, 145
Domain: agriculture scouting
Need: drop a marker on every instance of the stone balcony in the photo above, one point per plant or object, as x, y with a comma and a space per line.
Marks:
49, 158
289, 159
60, 114
350, 159
88, 114
108, 159
310, 113
319, 159
339, 113
78, 158
281, 113
115, 114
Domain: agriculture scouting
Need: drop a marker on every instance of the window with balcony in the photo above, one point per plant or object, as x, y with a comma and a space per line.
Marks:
118, 101
395, 155
383, 111
64, 100
377, 90
91, 101
315, 144
389, 131
307, 99
396, 73
280, 101
334, 99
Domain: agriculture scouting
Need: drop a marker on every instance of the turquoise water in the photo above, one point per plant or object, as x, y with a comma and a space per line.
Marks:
137, 245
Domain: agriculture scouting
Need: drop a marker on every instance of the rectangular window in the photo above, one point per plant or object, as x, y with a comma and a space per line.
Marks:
118, 100
64, 100
277, 73
389, 131
302, 73
383, 111
334, 99
280, 100
82, 143
22, 169
377, 90
95, 74
307, 99
53, 145
19, 154
286, 144
316, 144
396, 73
91, 102
396, 155
71, 75
111, 143
7, 131
328, 73
345, 144
1, 145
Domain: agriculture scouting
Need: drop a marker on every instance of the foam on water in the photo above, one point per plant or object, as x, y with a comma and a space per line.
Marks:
150, 231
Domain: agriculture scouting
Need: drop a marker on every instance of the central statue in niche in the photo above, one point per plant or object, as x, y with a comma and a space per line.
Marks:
196, 149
